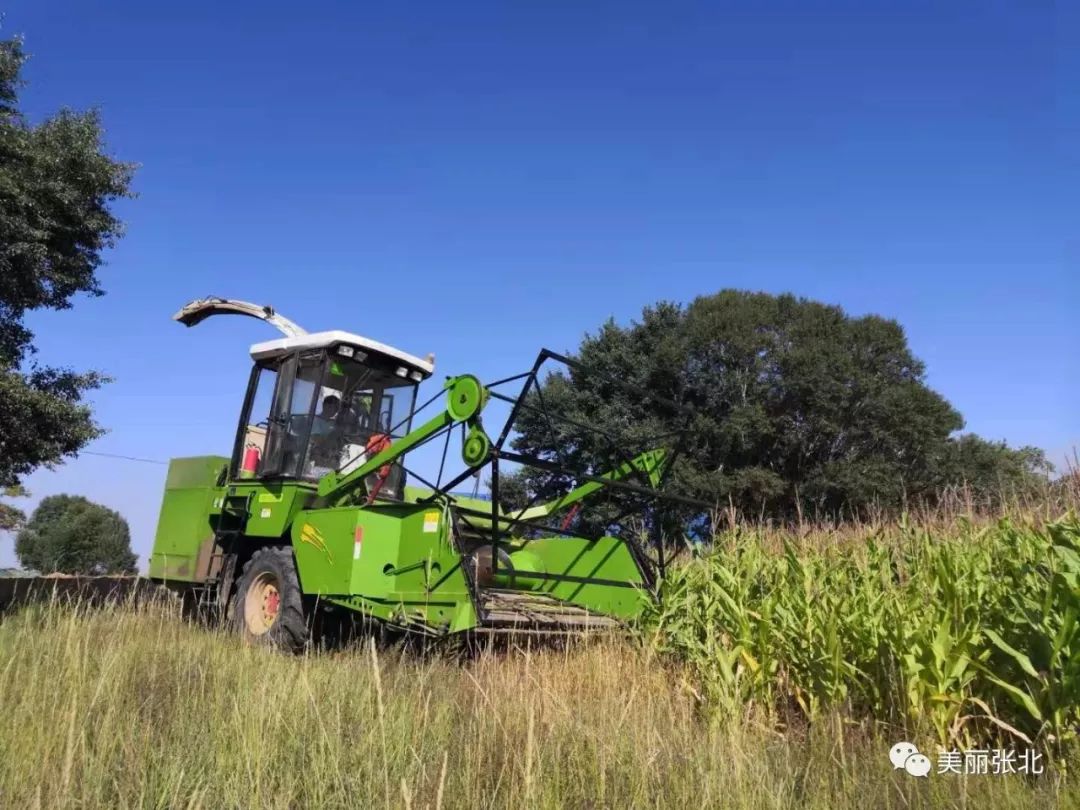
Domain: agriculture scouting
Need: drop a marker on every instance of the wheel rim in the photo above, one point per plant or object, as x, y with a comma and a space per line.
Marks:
262, 604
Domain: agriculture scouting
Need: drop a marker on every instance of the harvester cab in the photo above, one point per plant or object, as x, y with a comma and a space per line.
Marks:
318, 402
315, 509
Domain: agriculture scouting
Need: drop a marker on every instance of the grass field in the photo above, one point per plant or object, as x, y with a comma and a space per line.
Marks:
133, 707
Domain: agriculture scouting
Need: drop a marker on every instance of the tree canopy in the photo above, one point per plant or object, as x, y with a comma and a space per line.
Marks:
56, 187
71, 535
11, 517
785, 405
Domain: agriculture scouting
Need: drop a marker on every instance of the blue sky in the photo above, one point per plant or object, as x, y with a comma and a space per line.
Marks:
480, 180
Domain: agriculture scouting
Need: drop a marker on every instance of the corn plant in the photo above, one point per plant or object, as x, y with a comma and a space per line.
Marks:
967, 634
1036, 662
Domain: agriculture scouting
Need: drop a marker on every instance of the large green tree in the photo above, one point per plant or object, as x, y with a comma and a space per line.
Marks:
786, 404
71, 535
56, 187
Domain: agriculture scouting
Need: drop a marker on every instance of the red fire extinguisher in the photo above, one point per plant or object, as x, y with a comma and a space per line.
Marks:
250, 464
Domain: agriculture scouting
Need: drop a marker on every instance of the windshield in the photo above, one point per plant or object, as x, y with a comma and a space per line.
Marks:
358, 410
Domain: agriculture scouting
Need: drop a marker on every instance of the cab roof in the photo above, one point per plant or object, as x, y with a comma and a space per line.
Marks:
296, 337
318, 340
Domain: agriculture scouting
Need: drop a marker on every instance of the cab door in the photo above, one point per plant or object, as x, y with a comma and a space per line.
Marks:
277, 423
277, 417
292, 415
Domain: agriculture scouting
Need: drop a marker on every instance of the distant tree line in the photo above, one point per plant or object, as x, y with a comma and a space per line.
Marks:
788, 407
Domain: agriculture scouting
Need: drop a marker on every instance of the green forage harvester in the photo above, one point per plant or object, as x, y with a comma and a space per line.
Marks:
314, 510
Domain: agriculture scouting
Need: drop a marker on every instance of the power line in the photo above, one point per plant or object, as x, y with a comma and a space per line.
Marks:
124, 458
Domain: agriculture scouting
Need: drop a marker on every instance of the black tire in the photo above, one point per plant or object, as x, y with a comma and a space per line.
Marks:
268, 606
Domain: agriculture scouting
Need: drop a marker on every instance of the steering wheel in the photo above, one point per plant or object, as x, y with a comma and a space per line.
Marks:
322, 446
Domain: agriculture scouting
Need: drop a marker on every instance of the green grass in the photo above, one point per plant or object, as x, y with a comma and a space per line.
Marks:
779, 673
135, 708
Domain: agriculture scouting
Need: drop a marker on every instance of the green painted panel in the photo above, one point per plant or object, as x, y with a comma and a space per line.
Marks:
194, 471
322, 541
607, 558
394, 561
184, 523
273, 505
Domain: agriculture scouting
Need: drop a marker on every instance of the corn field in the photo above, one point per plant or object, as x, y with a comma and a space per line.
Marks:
966, 636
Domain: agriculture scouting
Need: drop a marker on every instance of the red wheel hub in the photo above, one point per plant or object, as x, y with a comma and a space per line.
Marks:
272, 603
262, 603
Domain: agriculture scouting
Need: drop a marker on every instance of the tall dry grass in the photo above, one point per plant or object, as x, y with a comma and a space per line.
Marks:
133, 707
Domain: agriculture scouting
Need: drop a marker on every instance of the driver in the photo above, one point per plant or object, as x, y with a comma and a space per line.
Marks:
324, 420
